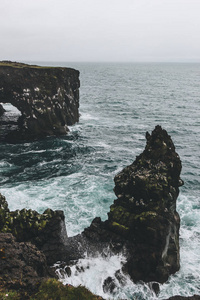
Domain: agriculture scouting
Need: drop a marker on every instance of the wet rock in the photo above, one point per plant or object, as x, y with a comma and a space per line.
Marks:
68, 271
155, 287
109, 285
143, 219
47, 97
47, 231
120, 277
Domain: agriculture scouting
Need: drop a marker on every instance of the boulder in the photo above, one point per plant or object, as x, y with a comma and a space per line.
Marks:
47, 97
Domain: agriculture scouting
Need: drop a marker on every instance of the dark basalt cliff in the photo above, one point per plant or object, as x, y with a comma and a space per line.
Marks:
47, 97
143, 218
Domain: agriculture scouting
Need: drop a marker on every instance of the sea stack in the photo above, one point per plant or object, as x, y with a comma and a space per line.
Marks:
143, 219
47, 97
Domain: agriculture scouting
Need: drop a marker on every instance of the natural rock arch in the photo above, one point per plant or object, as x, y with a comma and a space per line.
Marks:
47, 97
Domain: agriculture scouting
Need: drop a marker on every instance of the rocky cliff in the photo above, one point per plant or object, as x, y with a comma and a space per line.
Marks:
47, 97
143, 219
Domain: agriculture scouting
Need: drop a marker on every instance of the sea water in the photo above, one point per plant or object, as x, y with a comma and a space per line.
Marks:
74, 173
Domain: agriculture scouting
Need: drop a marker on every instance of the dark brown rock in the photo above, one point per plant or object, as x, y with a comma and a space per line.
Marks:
22, 265
47, 97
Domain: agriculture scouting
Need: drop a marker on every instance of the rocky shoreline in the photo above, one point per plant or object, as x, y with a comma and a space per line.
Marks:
142, 223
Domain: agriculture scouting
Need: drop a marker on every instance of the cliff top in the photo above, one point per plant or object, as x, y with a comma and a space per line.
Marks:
18, 65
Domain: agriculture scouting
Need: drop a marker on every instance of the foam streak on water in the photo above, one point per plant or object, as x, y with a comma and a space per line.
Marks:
118, 104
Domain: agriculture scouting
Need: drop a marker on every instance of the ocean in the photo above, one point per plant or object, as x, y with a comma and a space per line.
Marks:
119, 102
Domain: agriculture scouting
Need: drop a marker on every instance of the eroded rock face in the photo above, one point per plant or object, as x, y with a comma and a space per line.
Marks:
22, 265
143, 218
47, 231
47, 97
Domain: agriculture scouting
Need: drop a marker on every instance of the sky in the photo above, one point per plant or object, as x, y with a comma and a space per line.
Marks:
100, 30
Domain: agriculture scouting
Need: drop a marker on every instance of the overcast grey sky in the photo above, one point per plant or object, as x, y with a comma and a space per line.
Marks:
100, 30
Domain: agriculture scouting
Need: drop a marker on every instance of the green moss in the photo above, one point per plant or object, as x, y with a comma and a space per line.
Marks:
147, 215
117, 213
23, 223
123, 230
52, 289
18, 65
8, 295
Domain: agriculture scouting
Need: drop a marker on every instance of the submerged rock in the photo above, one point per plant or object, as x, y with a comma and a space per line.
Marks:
109, 285
47, 97
143, 219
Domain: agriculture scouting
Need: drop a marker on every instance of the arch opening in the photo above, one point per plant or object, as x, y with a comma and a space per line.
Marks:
9, 119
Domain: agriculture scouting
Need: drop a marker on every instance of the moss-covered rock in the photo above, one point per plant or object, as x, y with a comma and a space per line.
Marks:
52, 289
47, 231
148, 190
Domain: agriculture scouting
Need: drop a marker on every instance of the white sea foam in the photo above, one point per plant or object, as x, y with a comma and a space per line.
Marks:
10, 108
86, 117
92, 272
4, 164
35, 151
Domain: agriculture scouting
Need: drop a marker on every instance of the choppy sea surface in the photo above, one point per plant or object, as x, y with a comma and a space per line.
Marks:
74, 173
